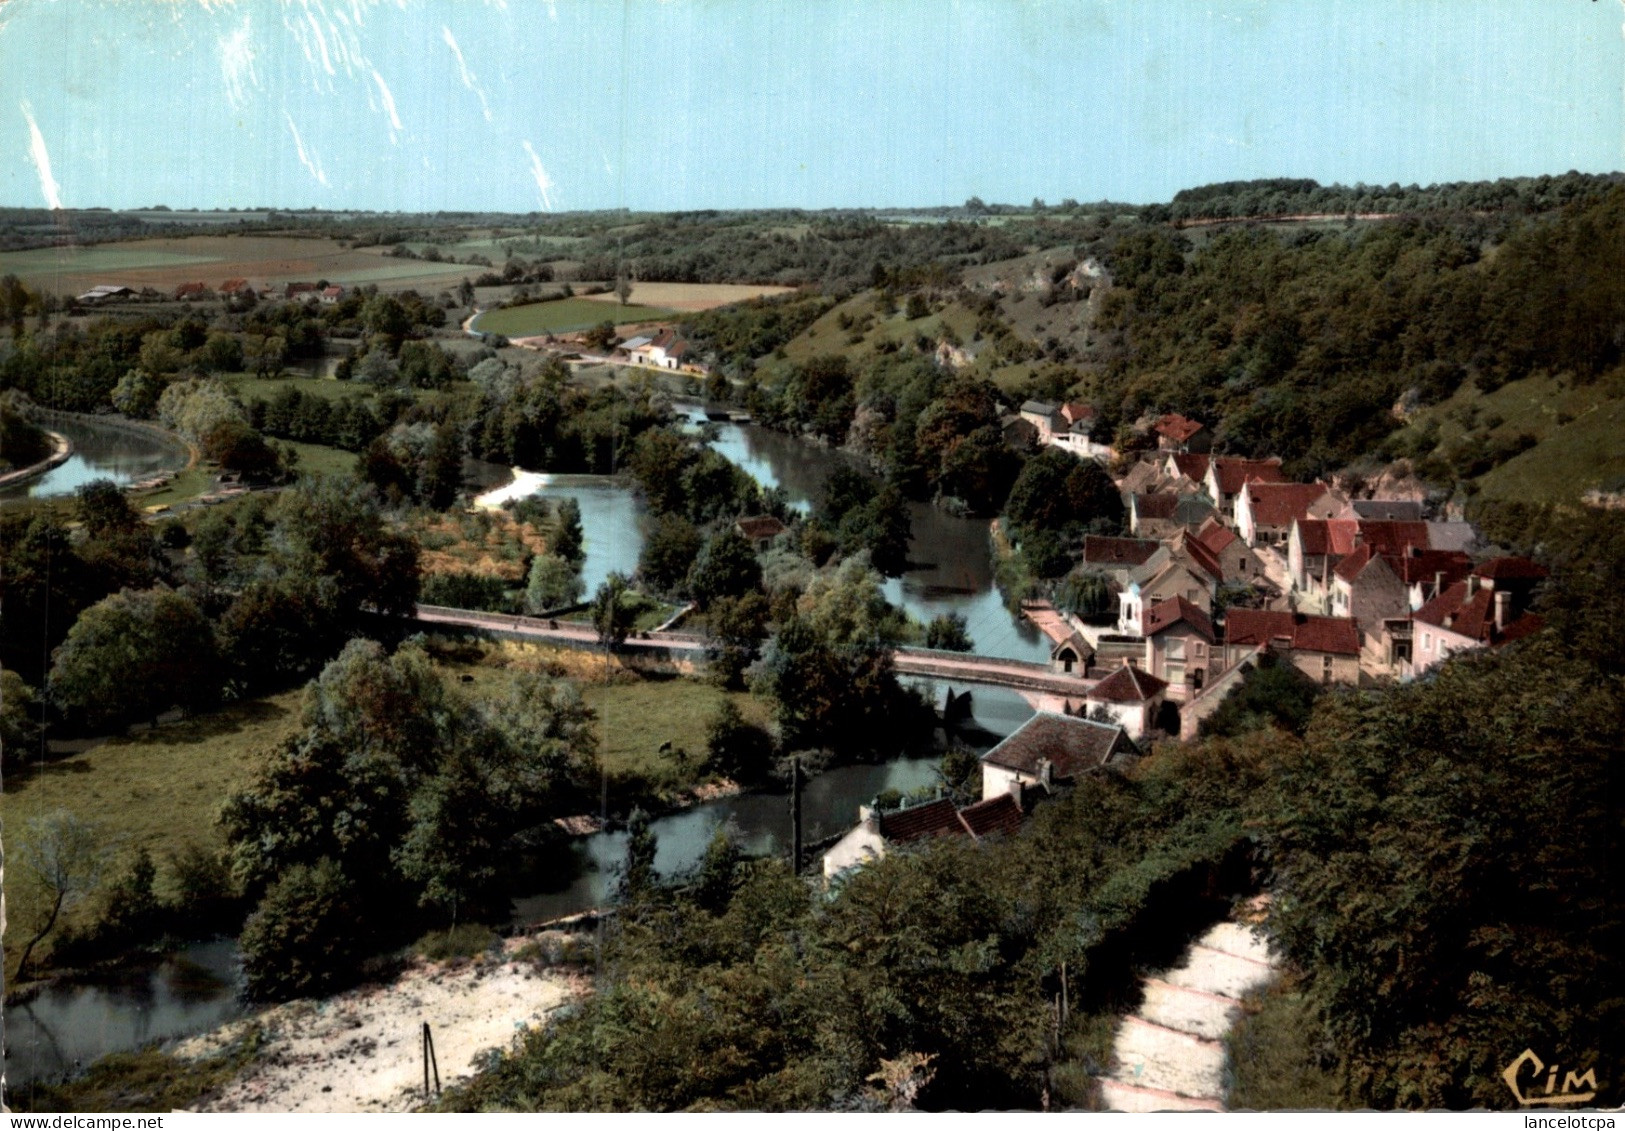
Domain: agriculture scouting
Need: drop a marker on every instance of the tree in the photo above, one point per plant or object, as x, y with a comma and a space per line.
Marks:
737, 749
638, 877
333, 528
63, 855
137, 393
19, 729
612, 611
553, 584
726, 567
379, 369
1059, 493
303, 939
237, 446
568, 538
134, 655
737, 627
623, 286
947, 632
669, 553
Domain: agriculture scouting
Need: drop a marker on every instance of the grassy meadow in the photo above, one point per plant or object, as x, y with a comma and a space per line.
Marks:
563, 316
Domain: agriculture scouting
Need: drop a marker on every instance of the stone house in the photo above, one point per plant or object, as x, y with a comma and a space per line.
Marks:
1179, 646
1050, 751
1227, 474
1486, 610
1265, 511
1326, 649
1160, 514
1132, 698
878, 831
1365, 588
1176, 433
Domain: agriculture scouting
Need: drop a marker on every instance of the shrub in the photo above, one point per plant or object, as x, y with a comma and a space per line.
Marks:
303, 938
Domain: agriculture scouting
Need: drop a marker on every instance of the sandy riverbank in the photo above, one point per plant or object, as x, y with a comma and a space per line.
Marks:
361, 1051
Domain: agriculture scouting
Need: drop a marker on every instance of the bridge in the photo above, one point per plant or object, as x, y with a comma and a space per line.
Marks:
1044, 688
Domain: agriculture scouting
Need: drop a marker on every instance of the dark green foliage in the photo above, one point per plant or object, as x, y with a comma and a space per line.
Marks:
1088, 595
1273, 694
737, 749
818, 397
1474, 802
867, 516
612, 610
303, 939
669, 553
133, 656
948, 632
637, 876
726, 567
1059, 494
21, 441
351, 423
462, 590
566, 532
737, 627
736, 335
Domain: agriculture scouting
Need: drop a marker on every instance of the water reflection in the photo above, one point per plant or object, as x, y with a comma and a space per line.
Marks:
68, 1027
100, 451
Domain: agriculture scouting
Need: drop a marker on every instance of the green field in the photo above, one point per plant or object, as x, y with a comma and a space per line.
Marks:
79, 260
158, 790
320, 460
564, 316
249, 388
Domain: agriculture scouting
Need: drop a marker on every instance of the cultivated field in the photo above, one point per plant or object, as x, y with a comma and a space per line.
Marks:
693, 296
165, 264
564, 316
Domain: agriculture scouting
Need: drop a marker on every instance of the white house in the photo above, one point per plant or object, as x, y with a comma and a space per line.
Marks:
1049, 751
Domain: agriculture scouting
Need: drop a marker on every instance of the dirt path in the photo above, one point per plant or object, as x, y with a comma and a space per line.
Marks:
361, 1051
1170, 1055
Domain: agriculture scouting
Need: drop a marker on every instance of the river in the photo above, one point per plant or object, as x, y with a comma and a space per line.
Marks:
100, 451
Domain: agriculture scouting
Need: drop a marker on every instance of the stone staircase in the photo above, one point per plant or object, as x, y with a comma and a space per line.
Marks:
1170, 1055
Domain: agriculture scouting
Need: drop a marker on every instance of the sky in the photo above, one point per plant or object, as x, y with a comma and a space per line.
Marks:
558, 105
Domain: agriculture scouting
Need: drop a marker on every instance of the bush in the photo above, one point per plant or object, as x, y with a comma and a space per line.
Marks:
466, 940
303, 939
467, 591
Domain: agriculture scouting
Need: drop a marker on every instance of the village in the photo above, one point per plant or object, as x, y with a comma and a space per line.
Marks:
1229, 565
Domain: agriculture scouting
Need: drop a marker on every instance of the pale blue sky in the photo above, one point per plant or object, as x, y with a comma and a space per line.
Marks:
516, 105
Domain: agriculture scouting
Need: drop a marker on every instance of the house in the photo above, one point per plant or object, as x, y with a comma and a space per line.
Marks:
1176, 433
1073, 431
1236, 560
1119, 555
667, 350
1131, 697
301, 292
1144, 477
106, 292
1044, 416
760, 530
1050, 751
1326, 649
1019, 432
1226, 475
1487, 610
1164, 575
235, 287
1072, 655
1428, 573
191, 292
1186, 467
637, 349
333, 295
1394, 510
1179, 646
877, 831
1160, 514
1265, 511
1365, 587
1313, 547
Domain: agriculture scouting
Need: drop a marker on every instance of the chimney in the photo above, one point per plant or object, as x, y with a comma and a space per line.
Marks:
869, 819
1438, 582
1016, 790
1472, 586
1503, 607
1046, 773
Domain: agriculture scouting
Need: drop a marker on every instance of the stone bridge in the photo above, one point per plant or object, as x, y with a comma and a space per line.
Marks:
1044, 688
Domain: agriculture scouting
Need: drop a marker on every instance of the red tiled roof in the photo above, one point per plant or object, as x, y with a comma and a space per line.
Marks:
1354, 564
1424, 565
1232, 472
1075, 411
230, 286
1127, 684
1474, 616
1391, 538
1511, 569
1215, 535
1277, 504
1247, 627
1176, 427
1166, 614
1200, 554
996, 815
1192, 465
935, 818
1071, 745
189, 289
1327, 535
1101, 550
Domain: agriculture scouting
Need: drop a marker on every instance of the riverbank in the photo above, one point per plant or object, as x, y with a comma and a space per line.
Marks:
61, 451
361, 1051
